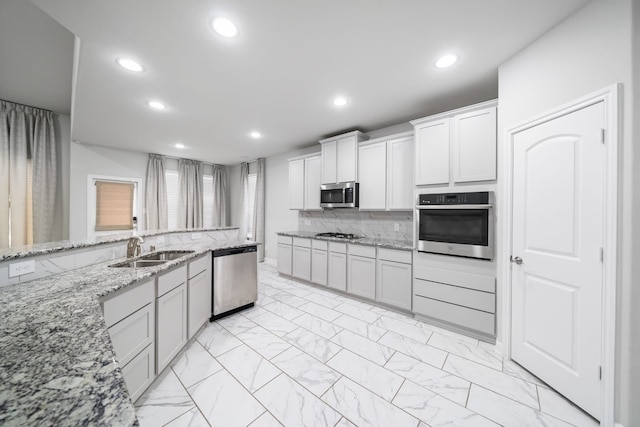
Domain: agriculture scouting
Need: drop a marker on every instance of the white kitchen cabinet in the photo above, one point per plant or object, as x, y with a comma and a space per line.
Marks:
400, 174
474, 145
312, 178
171, 318
337, 266
301, 258
456, 146
199, 291
393, 278
285, 252
296, 184
361, 271
372, 176
140, 372
340, 157
319, 262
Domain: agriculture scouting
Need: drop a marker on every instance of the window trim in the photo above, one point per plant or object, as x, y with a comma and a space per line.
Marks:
91, 203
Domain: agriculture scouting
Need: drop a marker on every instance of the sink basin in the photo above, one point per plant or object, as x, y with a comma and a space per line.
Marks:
139, 263
166, 255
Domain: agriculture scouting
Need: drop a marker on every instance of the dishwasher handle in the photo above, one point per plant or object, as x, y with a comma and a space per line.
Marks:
234, 251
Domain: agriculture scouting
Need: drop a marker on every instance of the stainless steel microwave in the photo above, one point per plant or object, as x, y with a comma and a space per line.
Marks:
341, 195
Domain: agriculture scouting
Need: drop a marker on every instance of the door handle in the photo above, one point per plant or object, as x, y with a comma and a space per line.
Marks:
517, 260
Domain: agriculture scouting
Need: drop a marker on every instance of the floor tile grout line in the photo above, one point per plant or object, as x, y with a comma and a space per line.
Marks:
189, 394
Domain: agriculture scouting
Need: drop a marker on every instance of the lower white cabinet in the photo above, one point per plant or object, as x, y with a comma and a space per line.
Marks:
361, 278
140, 372
393, 285
199, 290
285, 253
171, 319
319, 266
337, 266
301, 259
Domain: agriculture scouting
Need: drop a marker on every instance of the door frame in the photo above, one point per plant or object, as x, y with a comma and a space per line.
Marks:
610, 96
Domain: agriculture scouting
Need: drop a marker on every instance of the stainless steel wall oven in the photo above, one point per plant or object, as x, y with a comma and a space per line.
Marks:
460, 224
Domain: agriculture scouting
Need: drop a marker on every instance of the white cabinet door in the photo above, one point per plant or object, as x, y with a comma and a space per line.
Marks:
199, 301
284, 258
133, 333
171, 325
296, 184
474, 146
394, 284
312, 178
399, 174
347, 159
139, 373
337, 271
329, 154
432, 152
301, 262
372, 165
319, 266
361, 279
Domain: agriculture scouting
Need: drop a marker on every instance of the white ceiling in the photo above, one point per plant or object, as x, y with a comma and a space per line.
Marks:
280, 74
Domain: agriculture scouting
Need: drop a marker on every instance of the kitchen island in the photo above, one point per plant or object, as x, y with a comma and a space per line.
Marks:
58, 363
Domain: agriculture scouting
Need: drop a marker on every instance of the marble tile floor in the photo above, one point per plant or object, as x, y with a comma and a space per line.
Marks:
304, 356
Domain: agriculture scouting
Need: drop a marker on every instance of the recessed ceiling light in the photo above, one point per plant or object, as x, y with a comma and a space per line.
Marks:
255, 135
340, 101
156, 105
224, 27
129, 64
446, 61
179, 145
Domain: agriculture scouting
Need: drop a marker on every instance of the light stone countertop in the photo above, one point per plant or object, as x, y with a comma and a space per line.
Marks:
406, 245
57, 363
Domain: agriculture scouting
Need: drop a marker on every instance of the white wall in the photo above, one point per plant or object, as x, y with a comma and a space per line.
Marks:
94, 160
587, 52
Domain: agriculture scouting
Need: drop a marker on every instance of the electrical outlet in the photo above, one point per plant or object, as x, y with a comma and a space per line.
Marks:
307, 222
20, 268
396, 227
196, 236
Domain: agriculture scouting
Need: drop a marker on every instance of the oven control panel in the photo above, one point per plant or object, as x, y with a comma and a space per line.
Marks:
477, 198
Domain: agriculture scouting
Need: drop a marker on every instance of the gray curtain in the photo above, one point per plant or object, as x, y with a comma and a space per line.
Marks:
190, 200
258, 210
220, 196
244, 200
29, 175
156, 193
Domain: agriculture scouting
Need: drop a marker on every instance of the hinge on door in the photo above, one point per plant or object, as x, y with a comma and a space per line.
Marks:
600, 372
602, 135
601, 255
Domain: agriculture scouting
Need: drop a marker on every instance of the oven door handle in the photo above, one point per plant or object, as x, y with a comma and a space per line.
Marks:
454, 207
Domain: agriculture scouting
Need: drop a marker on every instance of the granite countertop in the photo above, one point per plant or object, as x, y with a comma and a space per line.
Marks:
368, 241
58, 365
52, 247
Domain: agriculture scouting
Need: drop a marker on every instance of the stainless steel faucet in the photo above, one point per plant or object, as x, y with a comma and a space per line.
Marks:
133, 247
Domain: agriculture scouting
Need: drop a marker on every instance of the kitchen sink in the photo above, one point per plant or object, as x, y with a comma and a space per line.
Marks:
139, 263
165, 255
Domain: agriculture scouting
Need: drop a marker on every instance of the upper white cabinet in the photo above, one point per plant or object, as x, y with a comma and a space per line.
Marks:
340, 157
456, 146
304, 183
385, 173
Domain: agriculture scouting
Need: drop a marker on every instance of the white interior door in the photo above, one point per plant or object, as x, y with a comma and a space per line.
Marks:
557, 236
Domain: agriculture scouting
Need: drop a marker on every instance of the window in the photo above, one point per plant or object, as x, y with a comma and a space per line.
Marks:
207, 201
171, 178
114, 205
253, 180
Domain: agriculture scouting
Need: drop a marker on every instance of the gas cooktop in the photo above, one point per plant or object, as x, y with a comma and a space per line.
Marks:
339, 235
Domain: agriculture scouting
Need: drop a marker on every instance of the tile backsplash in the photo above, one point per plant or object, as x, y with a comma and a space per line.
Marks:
364, 223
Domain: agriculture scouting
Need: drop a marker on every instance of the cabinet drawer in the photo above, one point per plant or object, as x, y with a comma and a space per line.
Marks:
128, 301
319, 244
456, 278
395, 255
171, 279
365, 251
484, 301
462, 316
199, 265
139, 373
132, 334
303, 243
340, 248
285, 240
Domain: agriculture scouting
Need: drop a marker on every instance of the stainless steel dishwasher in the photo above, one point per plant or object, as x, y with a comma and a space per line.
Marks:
235, 280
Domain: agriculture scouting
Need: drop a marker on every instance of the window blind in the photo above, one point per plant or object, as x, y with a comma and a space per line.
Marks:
114, 205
